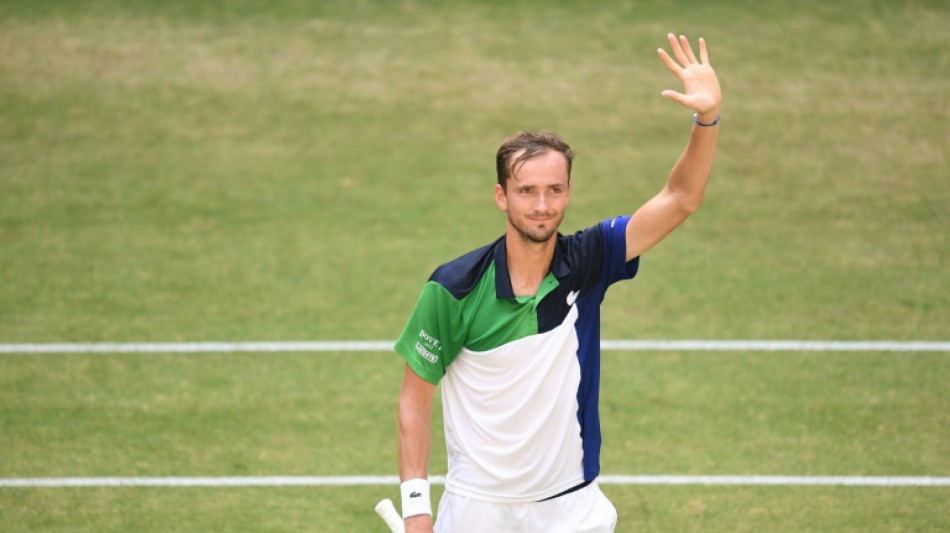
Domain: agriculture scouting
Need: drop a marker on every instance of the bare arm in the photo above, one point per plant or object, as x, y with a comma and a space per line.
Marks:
686, 187
415, 419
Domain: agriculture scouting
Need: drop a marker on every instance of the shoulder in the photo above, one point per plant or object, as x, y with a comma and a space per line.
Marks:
590, 243
596, 253
598, 233
460, 275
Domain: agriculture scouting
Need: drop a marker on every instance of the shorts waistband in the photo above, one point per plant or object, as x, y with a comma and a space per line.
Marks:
575, 488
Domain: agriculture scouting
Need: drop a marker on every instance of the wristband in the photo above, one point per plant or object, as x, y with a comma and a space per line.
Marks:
713, 123
415, 497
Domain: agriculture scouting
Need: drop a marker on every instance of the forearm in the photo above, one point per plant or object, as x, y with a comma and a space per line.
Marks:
414, 439
415, 420
414, 445
690, 174
681, 196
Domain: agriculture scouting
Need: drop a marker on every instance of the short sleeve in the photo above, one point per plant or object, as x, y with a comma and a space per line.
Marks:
616, 267
433, 336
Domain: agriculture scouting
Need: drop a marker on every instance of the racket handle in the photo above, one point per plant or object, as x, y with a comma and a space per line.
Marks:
387, 511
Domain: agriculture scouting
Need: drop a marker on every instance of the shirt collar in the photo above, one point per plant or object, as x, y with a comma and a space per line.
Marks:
559, 266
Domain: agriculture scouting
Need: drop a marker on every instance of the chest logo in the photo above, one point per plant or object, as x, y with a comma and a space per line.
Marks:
572, 297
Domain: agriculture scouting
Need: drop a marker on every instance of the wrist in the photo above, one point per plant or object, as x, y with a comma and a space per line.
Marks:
707, 118
415, 498
419, 522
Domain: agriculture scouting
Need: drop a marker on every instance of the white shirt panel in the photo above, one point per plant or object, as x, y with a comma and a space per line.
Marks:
511, 426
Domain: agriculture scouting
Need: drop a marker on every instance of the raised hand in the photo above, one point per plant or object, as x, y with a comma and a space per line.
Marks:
701, 91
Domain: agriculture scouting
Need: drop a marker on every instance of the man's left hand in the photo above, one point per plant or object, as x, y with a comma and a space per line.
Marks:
700, 84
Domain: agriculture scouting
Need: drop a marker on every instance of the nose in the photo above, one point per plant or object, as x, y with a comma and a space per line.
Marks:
542, 201
543, 198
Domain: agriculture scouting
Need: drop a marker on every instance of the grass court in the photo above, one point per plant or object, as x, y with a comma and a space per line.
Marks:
175, 171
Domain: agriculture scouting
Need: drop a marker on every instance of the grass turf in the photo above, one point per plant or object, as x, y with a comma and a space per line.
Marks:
248, 171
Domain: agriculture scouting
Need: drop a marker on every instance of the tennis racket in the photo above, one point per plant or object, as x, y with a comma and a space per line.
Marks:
387, 511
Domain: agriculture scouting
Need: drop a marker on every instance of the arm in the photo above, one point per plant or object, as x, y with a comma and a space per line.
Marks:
415, 417
686, 187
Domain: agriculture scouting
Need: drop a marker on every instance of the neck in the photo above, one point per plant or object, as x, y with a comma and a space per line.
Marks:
528, 262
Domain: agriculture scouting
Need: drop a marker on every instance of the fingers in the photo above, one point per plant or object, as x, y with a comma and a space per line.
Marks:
701, 86
677, 49
676, 97
669, 61
684, 42
684, 52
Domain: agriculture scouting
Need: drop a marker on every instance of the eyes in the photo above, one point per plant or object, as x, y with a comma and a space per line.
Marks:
554, 191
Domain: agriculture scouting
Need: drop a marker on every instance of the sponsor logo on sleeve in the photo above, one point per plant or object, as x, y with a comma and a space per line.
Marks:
428, 347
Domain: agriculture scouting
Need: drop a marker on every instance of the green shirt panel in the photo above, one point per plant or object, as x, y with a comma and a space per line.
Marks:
440, 325
434, 334
493, 321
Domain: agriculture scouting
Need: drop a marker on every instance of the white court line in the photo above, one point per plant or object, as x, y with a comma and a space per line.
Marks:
385, 346
259, 481
838, 481
777, 345
337, 481
201, 347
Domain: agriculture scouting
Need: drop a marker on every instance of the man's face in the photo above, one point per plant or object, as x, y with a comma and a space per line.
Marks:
536, 196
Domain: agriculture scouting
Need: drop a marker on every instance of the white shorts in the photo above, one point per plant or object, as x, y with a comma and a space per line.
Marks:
584, 511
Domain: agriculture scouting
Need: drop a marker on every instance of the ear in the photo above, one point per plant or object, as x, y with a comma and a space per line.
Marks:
501, 199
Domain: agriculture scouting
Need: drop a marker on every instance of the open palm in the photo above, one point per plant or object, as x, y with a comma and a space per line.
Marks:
701, 91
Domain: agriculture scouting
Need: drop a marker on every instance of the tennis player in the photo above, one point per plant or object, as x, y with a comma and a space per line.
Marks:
512, 332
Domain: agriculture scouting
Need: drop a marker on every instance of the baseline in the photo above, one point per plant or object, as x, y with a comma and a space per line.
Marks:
385, 346
343, 481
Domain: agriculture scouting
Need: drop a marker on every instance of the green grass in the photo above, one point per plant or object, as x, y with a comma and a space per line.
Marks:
188, 171
647, 509
170, 174
257, 414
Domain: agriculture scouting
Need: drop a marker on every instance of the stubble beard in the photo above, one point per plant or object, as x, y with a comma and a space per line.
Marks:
537, 235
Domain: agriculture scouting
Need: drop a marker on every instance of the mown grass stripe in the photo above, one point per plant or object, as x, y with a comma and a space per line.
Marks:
384, 346
338, 481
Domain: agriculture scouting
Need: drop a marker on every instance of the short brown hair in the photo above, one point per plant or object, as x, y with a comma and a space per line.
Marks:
526, 145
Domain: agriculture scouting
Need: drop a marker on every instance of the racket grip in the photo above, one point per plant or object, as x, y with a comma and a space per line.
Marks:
387, 511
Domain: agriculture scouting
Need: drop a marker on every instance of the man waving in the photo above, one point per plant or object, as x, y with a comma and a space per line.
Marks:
511, 330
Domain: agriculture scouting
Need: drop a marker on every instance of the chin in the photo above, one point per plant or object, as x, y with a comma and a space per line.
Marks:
534, 233
540, 236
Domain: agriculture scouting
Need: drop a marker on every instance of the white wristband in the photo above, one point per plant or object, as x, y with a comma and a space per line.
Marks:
415, 497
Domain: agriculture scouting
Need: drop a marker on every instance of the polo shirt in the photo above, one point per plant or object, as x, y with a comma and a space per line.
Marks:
520, 376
